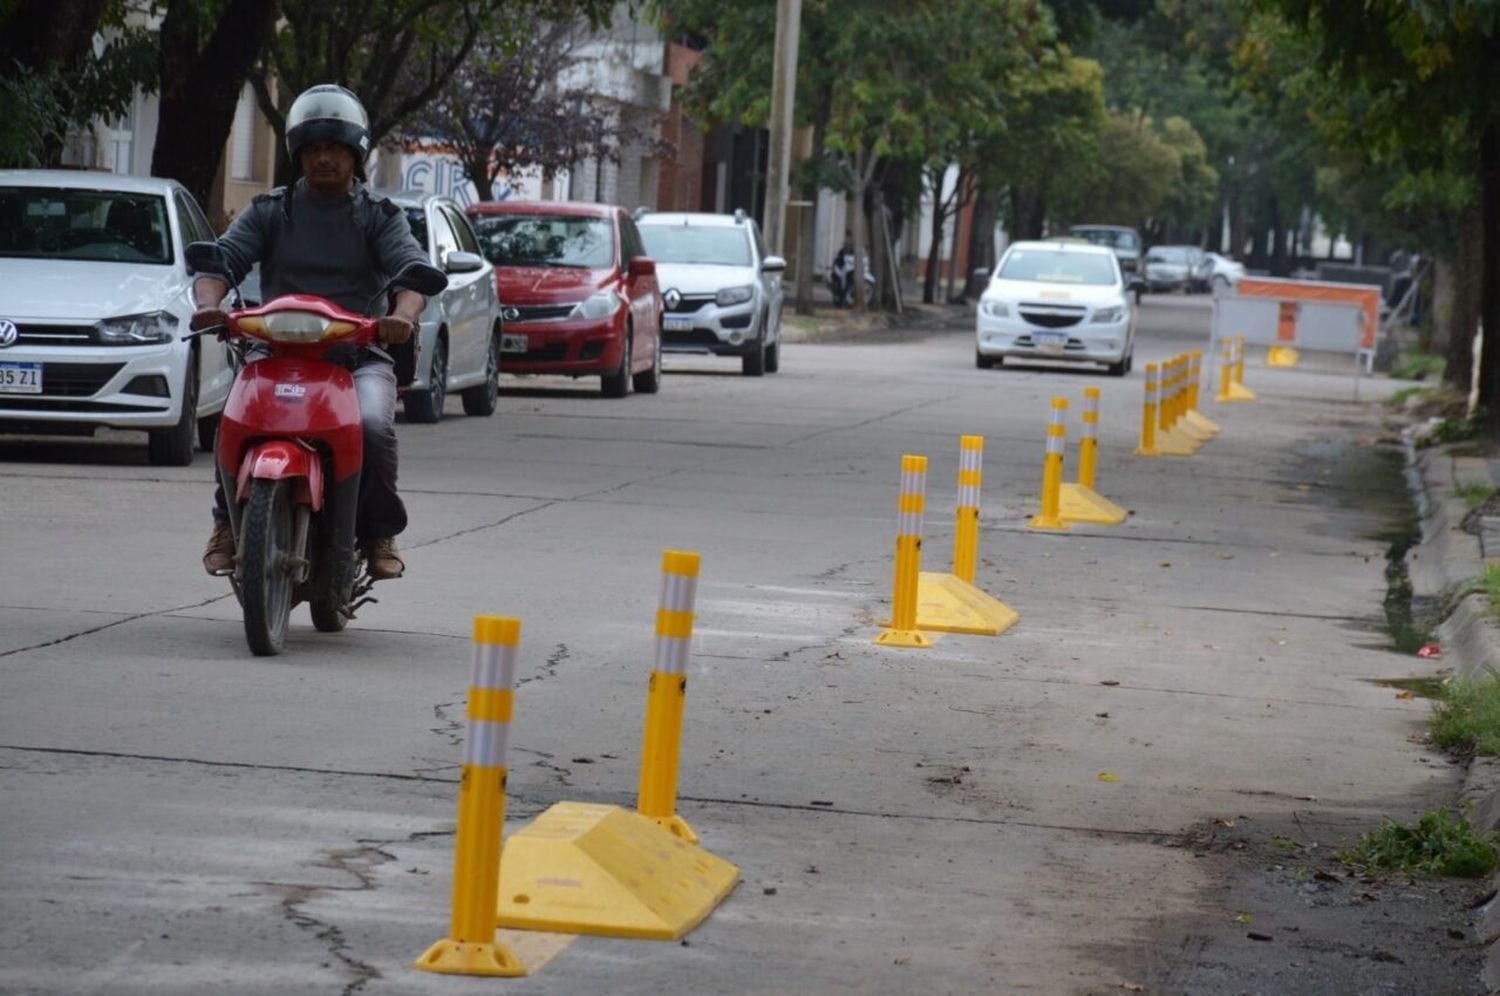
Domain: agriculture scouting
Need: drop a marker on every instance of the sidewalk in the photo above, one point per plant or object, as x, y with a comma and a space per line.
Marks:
828, 323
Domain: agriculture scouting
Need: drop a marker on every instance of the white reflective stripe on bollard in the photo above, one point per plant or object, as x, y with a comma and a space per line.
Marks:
494, 666
486, 743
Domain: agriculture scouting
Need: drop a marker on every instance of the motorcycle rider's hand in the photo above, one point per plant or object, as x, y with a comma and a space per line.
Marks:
394, 330
207, 318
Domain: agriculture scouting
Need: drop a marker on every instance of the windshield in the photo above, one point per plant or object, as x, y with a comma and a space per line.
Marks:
1113, 238
697, 244
546, 240
1051, 267
64, 223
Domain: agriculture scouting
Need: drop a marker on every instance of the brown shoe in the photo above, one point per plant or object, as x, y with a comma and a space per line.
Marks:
218, 556
383, 562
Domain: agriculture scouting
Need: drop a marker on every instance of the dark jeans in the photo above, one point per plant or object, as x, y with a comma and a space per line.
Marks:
381, 513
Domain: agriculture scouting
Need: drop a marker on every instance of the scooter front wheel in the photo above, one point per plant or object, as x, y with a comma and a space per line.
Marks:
265, 574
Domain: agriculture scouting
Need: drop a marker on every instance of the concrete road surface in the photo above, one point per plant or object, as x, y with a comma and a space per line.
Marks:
988, 815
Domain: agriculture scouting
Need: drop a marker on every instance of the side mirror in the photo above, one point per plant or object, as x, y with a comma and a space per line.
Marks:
462, 262
773, 264
641, 266
206, 257
424, 279
1136, 282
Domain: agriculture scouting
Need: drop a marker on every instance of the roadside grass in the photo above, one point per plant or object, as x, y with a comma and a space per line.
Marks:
1490, 583
1439, 843
1418, 366
1453, 429
1466, 714
1474, 495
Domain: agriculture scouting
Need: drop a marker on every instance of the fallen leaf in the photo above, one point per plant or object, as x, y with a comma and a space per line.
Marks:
1111, 682
1406, 695
1223, 822
1430, 650
1166, 565
1105, 776
1279, 641
1224, 556
1101, 715
1242, 918
1131, 987
1326, 876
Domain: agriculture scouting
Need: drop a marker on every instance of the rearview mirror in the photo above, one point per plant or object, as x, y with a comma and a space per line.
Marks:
424, 279
640, 266
458, 261
773, 264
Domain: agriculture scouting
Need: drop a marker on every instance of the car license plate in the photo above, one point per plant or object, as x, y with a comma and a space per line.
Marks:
677, 324
514, 344
20, 378
1055, 341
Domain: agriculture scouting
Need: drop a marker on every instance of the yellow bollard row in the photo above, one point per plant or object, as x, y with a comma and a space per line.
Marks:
1080, 502
666, 694
1050, 516
910, 505
1232, 385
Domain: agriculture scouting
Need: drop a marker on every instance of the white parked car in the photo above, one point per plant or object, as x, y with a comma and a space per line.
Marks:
94, 305
1224, 274
458, 342
721, 291
1057, 301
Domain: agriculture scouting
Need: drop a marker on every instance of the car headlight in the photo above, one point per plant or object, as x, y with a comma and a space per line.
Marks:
1108, 316
136, 330
600, 305
734, 295
995, 309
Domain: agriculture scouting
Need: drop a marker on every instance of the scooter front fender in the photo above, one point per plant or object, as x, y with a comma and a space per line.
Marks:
283, 459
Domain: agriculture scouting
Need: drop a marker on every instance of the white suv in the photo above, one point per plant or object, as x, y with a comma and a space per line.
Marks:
722, 292
95, 299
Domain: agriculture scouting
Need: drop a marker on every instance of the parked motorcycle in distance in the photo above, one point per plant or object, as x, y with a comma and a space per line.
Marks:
289, 454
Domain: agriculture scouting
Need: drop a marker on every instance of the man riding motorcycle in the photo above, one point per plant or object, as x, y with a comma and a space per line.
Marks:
327, 235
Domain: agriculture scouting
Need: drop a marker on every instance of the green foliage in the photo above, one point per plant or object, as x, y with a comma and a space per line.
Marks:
1474, 495
31, 120
1454, 429
1466, 719
1439, 843
1417, 366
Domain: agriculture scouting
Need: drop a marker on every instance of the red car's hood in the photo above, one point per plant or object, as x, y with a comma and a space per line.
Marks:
548, 284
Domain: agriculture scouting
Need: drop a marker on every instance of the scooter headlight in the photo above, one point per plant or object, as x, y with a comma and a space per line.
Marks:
295, 326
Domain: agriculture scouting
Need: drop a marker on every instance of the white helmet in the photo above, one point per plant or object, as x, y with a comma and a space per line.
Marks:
328, 113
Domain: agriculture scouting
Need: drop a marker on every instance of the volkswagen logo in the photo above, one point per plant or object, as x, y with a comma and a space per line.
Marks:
8, 333
672, 297
510, 314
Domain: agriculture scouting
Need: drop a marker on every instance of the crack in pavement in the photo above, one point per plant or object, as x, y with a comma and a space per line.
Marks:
548, 669
864, 423
117, 622
358, 862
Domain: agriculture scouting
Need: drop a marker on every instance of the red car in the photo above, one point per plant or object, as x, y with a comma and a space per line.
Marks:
578, 295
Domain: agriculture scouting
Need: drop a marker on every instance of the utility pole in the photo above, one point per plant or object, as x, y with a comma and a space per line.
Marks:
783, 102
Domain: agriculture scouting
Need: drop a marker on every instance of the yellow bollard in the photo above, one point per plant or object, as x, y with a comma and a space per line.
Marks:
1147, 447
1226, 371
1238, 388
903, 630
966, 524
666, 694
1194, 417
470, 947
1052, 469
1171, 438
1080, 502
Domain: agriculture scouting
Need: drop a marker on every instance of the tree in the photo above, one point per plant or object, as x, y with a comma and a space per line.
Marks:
207, 53
503, 111
52, 78
396, 55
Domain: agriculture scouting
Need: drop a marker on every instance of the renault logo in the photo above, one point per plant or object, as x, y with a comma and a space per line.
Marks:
8, 333
672, 298
510, 314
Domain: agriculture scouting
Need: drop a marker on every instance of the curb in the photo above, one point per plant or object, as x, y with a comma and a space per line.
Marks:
845, 325
1448, 556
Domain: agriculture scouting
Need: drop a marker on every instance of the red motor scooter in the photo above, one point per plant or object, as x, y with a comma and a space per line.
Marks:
289, 453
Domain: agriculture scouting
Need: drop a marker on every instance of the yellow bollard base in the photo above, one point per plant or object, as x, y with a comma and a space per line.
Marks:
450, 957
1081, 504
1239, 392
581, 868
1185, 428
947, 603
676, 826
1173, 443
1282, 356
1050, 523
903, 638
1202, 424
1142, 451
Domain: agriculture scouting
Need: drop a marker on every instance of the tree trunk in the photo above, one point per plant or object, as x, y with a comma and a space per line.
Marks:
1028, 207
857, 210
981, 239
200, 87
1468, 287
1489, 310
808, 231
935, 253
47, 33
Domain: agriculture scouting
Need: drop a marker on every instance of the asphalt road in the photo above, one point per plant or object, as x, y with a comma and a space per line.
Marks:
177, 816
